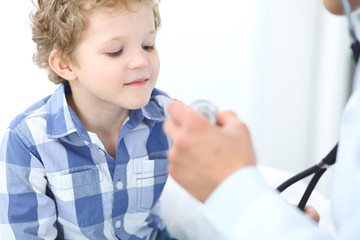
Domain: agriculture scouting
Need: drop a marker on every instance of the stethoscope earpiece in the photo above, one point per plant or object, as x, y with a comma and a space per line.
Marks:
355, 46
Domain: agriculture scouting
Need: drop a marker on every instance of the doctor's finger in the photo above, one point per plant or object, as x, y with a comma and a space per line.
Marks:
170, 128
181, 140
179, 112
312, 213
226, 118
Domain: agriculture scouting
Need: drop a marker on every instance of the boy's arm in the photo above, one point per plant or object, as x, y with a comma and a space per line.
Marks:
26, 212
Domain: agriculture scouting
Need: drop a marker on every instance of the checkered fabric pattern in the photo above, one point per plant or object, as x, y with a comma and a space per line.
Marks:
57, 180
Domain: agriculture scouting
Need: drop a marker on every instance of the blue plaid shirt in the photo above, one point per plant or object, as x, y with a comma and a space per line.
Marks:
57, 180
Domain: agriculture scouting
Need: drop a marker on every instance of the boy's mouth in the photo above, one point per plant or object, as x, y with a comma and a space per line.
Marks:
137, 82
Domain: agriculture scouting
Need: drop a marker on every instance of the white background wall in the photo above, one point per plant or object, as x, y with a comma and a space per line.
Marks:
281, 65
299, 83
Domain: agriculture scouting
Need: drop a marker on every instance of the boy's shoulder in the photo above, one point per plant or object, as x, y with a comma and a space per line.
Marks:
50, 108
29, 127
36, 110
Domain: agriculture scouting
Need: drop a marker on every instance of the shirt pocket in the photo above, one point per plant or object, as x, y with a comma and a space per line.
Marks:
77, 184
151, 176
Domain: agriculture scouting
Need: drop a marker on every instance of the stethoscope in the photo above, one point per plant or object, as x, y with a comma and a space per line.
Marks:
209, 110
319, 169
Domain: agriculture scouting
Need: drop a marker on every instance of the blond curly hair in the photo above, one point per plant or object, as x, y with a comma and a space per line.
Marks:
59, 24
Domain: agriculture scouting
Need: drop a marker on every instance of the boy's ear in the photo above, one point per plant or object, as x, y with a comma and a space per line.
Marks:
60, 66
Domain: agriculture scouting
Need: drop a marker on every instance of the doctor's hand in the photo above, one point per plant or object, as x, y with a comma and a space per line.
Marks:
203, 155
311, 212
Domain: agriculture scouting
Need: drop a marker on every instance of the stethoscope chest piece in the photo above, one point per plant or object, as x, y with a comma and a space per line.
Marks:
206, 108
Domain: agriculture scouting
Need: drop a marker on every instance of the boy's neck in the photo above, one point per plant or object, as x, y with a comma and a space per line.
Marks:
106, 124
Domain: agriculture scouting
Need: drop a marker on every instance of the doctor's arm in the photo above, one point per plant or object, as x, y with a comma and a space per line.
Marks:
217, 165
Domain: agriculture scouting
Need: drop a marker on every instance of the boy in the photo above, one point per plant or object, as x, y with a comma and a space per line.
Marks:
89, 161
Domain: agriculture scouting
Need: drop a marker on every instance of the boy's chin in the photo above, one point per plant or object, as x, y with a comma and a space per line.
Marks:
137, 99
138, 104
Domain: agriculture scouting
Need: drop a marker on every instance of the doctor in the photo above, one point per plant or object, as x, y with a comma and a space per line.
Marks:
217, 165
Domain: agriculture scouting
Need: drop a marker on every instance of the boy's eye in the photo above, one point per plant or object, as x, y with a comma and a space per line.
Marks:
148, 48
115, 54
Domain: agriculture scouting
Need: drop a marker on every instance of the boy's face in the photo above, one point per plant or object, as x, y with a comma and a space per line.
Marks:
116, 61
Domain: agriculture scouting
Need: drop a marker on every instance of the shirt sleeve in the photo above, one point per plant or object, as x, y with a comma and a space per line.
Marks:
26, 212
346, 180
245, 207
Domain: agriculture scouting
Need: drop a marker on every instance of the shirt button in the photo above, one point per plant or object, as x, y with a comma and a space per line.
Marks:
119, 185
118, 224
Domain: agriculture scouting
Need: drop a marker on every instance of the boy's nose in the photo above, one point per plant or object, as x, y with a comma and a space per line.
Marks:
138, 59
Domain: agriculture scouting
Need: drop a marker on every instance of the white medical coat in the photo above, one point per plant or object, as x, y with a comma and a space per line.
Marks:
245, 207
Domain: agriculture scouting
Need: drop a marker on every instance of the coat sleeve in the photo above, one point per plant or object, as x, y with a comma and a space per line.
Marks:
245, 207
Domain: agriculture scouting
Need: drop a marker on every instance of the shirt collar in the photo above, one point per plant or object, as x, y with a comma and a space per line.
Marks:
154, 110
58, 118
62, 121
